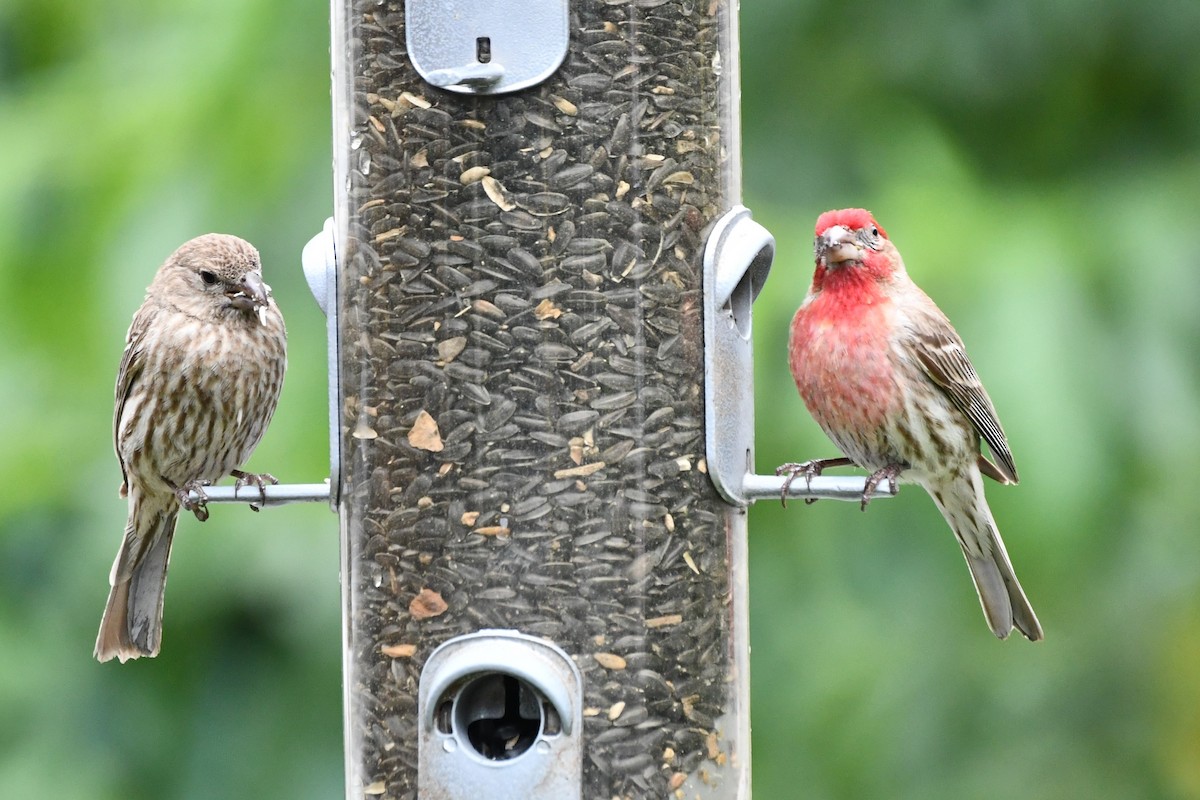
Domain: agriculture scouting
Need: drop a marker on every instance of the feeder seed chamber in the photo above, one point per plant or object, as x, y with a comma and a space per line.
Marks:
538, 280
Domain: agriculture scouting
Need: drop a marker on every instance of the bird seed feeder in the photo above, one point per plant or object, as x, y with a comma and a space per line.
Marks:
538, 280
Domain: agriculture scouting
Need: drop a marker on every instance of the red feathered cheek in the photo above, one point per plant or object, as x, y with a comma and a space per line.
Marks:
878, 263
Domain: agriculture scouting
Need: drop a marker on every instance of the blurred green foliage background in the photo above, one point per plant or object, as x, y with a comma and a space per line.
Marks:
1037, 164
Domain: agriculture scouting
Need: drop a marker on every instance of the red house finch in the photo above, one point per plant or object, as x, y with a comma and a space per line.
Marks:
203, 365
888, 379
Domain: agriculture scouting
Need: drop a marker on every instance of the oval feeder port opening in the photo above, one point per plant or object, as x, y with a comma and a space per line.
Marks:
497, 715
500, 716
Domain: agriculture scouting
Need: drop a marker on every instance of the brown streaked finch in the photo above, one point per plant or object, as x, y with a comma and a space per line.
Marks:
201, 373
887, 378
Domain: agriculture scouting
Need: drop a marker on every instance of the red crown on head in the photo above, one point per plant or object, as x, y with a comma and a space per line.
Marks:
853, 218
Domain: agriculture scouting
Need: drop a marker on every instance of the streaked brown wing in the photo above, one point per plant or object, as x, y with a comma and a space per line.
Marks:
128, 375
944, 358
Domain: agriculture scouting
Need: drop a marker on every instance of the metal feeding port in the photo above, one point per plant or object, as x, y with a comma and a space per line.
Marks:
500, 717
486, 48
737, 258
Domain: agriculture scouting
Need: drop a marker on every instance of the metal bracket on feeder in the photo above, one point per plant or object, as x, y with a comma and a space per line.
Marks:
737, 258
486, 48
320, 270
319, 259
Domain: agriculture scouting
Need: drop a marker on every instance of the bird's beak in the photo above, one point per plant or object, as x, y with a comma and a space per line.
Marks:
250, 295
837, 246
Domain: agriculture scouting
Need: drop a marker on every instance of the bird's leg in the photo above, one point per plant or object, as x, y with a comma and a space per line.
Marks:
890, 473
810, 470
260, 480
199, 506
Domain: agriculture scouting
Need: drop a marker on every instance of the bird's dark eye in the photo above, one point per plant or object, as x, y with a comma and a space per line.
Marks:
874, 232
208, 277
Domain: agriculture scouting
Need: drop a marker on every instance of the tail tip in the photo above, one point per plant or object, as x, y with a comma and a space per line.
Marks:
1030, 628
106, 650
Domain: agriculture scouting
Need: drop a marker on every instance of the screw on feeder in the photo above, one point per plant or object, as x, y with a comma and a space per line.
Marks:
320, 271
737, 259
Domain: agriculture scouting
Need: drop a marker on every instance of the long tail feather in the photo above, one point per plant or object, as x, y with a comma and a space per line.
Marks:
1000, 594
132, 623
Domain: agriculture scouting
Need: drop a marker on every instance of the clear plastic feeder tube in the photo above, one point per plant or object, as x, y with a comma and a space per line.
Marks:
521, 360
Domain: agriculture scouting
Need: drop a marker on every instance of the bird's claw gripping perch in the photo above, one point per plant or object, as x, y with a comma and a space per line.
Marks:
890, 473
809, 469
260, 480
199, 506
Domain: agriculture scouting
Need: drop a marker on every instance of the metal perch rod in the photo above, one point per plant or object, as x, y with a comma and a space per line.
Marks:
270, 495
755, 487
769, 487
